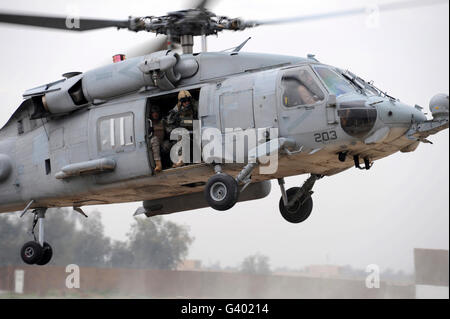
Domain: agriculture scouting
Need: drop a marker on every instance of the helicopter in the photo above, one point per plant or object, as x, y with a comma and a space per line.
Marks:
85, 139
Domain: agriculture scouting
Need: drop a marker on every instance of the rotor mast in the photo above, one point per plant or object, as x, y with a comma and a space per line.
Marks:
187, 44
204, 43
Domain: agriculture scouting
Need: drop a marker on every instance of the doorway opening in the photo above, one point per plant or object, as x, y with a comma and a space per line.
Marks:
165, 113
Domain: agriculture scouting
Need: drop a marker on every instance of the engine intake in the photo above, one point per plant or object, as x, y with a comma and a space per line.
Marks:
65, 97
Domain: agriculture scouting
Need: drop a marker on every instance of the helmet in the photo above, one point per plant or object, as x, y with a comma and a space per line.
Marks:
184, 95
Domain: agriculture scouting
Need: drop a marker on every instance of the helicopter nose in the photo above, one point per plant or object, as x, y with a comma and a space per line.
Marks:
417, 115
402, 114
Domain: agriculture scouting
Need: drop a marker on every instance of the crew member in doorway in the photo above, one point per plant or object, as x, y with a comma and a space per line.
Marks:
157, 136
183, 116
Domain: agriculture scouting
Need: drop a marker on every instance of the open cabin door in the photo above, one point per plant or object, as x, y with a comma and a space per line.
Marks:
226, 111
244, 102
240, 108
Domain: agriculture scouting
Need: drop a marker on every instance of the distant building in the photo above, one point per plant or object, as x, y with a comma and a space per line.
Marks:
431, 273
190, 265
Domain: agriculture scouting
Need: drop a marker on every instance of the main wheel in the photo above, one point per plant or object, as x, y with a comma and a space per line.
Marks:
221, 192
47, 256
299, 211
31, 252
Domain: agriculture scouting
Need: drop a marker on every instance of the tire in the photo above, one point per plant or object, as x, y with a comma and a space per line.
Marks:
47, 256
31, 252
297, 213
221, 192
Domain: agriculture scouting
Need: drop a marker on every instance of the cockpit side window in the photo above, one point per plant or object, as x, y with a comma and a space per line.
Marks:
335, 82
300, 88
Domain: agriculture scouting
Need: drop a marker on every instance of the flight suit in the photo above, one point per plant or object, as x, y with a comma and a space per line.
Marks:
157, 139
180, 117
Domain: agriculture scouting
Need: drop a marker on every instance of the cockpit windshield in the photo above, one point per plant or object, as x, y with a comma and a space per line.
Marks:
364, 86
336, 83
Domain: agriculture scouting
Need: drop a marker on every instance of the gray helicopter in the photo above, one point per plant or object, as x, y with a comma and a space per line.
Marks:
88, 139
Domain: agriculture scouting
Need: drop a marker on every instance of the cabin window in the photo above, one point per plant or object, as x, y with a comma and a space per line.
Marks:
116, 132
300, 89
48, 167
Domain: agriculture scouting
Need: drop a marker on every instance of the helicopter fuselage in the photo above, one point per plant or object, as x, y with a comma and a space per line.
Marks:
69, 148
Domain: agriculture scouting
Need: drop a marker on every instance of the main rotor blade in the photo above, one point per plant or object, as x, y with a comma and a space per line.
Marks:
363, 10
201, 4
148, 47
61, 23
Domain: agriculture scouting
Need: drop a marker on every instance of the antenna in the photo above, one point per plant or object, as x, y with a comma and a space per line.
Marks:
239, 47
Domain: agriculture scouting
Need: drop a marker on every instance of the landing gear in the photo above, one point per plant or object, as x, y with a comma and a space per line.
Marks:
31, 252
296, 203
37, 252
222, 192
47, 256
299, 210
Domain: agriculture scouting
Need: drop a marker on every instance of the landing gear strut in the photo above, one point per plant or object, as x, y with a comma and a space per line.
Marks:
37, 252
367, 164
296, 203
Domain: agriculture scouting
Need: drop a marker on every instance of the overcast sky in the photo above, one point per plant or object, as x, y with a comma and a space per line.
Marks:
359, 218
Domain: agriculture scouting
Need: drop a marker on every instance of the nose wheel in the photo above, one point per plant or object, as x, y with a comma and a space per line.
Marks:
37, 252
298, 210
296, 203
31, 252
46, 256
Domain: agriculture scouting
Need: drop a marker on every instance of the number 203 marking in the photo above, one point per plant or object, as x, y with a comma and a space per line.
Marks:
325, 136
